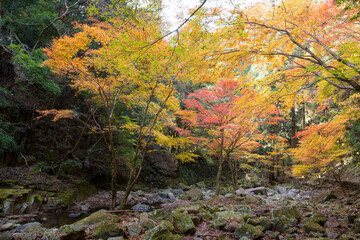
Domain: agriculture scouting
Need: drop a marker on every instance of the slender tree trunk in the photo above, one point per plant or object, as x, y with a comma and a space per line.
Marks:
272, 171
113, 167
236, 175
232, 166
127, 190
304, 117
221, 160
293, 140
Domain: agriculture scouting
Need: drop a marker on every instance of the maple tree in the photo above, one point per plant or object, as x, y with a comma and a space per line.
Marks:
113, 61
223, 120
324, 147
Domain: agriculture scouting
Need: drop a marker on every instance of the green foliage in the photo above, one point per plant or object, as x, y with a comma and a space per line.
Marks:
33, 69
354, 138
3, 95
23, 21
7, 141
123, 9
43, 167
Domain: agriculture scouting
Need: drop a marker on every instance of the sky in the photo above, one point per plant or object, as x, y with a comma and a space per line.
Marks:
180, 8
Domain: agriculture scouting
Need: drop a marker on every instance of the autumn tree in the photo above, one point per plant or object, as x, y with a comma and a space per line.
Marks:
113, 62
221, 119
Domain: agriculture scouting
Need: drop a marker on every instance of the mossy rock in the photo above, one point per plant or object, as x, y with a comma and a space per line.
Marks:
321, 238
289, 212
159, 214
264, 222
161, 231
244, 209
221, 218
194, 208
193, 194
35, 230
108, 229
79, 226
206, 216
14, 193
281, 223
183, 223
247, 230
318, 218
313, 227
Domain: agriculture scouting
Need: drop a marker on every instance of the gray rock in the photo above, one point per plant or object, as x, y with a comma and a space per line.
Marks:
141, 207
8, 226
280, 189
178, 192
201, 184
318, 218
74, 215
108, 229
161, 231
6, 236
134, 229
229, 195
171, 196
85, 208
288, 211
194, 194
183, 223
356, 226
313, 227
116, 238
258, 191
249, 231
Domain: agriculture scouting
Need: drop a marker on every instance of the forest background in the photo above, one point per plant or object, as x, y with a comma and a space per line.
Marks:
101, 90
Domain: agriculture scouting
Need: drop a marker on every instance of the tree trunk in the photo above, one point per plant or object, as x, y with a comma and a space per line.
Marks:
113, 167
293, 141
233, 173
127, 191
272, 171
218, 178
221, 160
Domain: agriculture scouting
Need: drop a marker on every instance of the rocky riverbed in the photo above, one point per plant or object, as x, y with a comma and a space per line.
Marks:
280, 212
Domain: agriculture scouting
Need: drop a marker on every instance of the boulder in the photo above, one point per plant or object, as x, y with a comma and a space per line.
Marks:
249, 231
7, 236
33, 231
313, 227
108, 229
141, 207
221, 218
257, 191
159, 214
281, 224
77, 229
356, 226
280, 189
288, 211
183, 223
134, 229
194, 194
264, 222
201, 184
318, 218
146, 222
161, 231
8, 226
